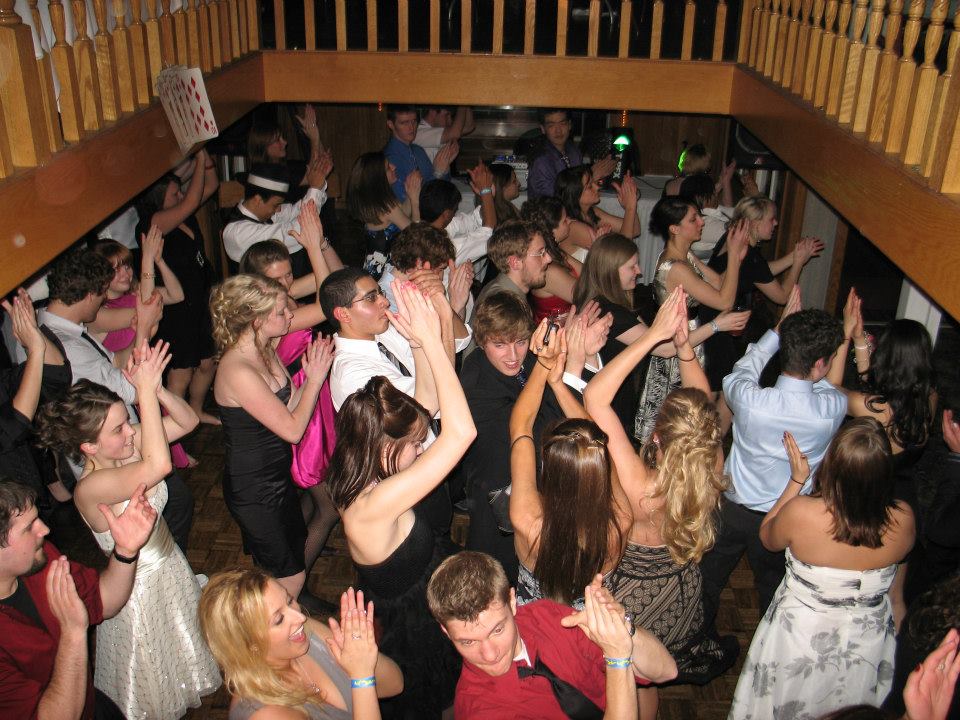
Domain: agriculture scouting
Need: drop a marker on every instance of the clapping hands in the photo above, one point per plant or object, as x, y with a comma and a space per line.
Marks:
626, 191
24, 319
310, 234
852, 316
799, 465
670, 315
145, 366
354, 645
317, 359
416, 317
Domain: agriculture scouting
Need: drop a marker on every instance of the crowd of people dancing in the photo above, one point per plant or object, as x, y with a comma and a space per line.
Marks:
614, 464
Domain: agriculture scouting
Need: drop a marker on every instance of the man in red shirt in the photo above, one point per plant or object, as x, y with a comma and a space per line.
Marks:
541, 660
47, 603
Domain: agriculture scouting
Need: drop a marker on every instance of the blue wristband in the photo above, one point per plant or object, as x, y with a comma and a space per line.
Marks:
486, 191
363, 682
618, 662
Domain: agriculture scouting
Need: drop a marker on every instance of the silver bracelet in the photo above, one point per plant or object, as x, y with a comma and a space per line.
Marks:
716, 328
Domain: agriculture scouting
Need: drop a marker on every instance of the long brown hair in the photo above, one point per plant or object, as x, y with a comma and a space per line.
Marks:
371, 419
580, 511
856, 483
600, 276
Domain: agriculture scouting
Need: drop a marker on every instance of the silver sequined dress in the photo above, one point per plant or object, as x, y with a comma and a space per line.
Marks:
151, 658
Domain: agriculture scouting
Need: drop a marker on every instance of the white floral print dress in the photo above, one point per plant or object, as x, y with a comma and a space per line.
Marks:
826, 641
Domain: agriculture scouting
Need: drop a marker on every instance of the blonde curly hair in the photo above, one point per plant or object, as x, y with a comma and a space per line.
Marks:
237, 304
687, 432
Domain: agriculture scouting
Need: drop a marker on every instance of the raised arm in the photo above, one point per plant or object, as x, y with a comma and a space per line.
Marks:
793, 263
27, 333
398, 493
151, 262
170, 218
319, 251
724, 297
604, 385
776, 525
130, 531
481, 182
691, 373
111, 485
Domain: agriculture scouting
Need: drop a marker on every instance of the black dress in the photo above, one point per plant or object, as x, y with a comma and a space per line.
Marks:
409, 635
625, 400
187, 325
723, 349
259, 493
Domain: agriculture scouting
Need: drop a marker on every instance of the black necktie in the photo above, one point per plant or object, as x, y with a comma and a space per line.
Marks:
394, 360
522, 377
574, 703
96, 346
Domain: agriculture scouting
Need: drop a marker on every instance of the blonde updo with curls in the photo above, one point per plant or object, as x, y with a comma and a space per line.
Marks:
236, 306
689, 477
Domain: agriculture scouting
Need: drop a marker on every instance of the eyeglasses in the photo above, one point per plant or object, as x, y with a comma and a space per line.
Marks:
370, 297
539, 253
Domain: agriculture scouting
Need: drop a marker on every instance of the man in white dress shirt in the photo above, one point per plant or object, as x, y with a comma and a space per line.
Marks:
438, 126
263, 214
802, 402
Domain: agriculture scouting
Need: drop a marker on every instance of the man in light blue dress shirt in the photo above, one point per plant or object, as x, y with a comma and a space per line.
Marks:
801, 402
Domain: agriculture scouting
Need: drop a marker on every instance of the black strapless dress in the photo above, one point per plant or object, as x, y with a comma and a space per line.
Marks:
259, 493
408, 633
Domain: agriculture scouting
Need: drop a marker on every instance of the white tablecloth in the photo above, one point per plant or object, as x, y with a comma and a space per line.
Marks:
650, 189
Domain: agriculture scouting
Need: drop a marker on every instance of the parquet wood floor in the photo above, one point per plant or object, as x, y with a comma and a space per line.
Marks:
215, 545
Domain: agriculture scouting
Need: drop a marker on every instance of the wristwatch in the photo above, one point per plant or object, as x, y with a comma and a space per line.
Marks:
628, 621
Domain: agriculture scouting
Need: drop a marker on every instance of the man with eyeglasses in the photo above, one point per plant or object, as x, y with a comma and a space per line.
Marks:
520, 254
559, 153
367, 344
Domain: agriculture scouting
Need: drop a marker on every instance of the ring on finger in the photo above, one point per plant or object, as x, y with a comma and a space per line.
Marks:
355, 636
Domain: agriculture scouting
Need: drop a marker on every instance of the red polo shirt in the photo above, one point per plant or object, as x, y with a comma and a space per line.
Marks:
28, 651
566, 651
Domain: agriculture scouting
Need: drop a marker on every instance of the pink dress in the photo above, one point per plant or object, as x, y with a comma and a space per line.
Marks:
311, 456
117, 340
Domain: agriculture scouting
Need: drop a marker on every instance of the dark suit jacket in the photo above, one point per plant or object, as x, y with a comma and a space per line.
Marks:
486, 466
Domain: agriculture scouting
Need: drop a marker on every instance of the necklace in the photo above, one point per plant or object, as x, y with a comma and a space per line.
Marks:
305, 676
650, 514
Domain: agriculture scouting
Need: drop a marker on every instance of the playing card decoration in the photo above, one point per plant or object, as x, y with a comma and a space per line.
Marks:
184, 99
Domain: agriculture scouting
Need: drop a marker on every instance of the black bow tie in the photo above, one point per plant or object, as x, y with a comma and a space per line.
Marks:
574, 703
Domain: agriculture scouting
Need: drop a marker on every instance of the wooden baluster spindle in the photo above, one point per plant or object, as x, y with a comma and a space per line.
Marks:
743, 43
180, 33
168, 36
242, 23
51, 115
773, 30
86, 62
719, 30
342, 25
6, 160
434, 25
785, 76
226, 52
193, 33
310, 23
26, 142
689, 19
851, 80
154, 45
813, 50
530, 26
204, 35
903, 87
233, 27
139, 53
466, 27
216, 50
563, 14
756, 31
762, 35
656, 30
123, 56
106, 64
372, 43
498, 27
780, 43
886, 69
279, 24
803, 47
921, 101
593, 29
944, 108
403, 25
71, 113
838, 64
253, 22
826, 54
868, 75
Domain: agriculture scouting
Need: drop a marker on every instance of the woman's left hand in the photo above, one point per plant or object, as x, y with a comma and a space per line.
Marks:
626, 191
799, 467
354, 645
729, 320
318, 358
807, 248
682, 335
310, 234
